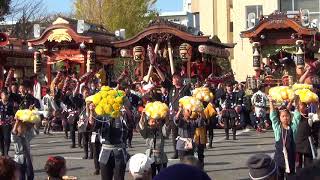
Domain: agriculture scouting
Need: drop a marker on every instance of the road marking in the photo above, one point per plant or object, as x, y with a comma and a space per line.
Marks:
55, 141
73, 158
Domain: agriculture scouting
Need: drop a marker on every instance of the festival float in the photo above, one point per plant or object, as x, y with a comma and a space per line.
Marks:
16, 61
285, 49
164, 48
74, 46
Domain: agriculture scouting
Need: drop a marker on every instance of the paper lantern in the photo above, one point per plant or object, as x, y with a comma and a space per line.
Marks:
256, 57
91, 59
300, 55
185, 51
138, 53
37, 62
125, 53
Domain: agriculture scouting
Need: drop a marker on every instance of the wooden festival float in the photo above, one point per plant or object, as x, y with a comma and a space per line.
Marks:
14, 58
74, 45
168, 47
283, 45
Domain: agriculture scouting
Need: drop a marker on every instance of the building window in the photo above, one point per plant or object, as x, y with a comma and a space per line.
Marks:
286, 5
231, 26
252, 15
296, 5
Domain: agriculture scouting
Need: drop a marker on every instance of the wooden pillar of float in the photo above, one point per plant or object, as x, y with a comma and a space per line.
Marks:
171, 58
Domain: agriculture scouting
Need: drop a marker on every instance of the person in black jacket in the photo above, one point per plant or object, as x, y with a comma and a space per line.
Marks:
113, 154
26, 100
74, 102
84, 127
6, 120
227, 105
14, 96
176, 91
240, 109
303, 145
164, 95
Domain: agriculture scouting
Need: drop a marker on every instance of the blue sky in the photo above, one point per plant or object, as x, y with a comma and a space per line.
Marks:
65, 6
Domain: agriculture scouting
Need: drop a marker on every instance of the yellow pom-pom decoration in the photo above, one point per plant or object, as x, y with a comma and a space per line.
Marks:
119, 99
89, 98
307, 96
113, 93
191, 103
27, 115
99, 110
203, 94
107, 109
301, 86
104, 94
281, 93
105, 88
116, 107
156, 110
96, 99
108, 101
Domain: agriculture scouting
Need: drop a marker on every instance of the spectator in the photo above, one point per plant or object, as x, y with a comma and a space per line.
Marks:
285, 128
259, 101
140, 167
303, 143
192, 161
8, 169
182, 171
262, 167
6, 117
22, 134
311, 172
55, 167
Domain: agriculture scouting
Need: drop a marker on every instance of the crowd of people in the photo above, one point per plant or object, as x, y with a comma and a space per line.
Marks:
106, 140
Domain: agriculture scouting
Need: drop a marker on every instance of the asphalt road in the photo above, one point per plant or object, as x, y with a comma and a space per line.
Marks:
225, 161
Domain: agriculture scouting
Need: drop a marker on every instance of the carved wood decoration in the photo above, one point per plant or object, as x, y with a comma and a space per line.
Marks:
278, 20
59, 35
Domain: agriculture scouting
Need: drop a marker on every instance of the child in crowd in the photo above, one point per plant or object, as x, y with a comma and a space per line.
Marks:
285, 128
155, 131
22, 134
186, 127
55, 167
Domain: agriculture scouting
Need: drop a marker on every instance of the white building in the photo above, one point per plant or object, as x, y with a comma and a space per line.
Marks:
184, 17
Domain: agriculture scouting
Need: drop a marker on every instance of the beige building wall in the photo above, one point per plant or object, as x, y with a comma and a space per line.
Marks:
206, 15
242, 62
215, 19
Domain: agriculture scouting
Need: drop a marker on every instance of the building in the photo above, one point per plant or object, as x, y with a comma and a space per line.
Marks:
228, 18
184, 17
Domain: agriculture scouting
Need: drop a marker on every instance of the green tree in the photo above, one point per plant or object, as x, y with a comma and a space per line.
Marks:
132, 15
4, 8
